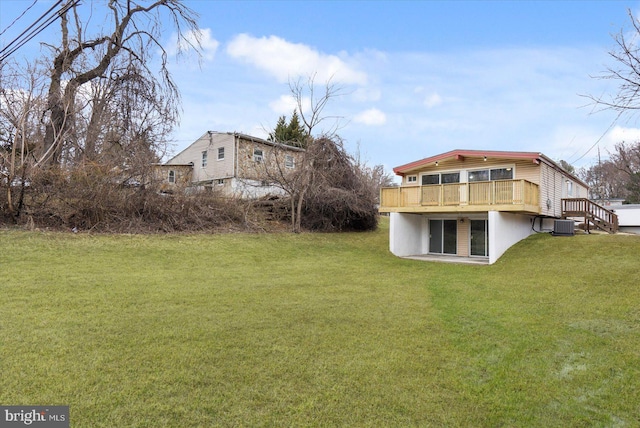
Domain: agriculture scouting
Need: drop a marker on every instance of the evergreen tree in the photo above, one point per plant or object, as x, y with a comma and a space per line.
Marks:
296, 132
292, 133
279, 134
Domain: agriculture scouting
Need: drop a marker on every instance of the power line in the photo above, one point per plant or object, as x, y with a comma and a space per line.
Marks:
21, 15
601, 137
23, 39
43, 16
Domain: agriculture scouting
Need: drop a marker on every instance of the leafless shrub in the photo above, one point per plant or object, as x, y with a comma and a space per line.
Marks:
341, 195
96, 199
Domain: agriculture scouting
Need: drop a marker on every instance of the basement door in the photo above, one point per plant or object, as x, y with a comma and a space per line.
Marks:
480, 238
443, 236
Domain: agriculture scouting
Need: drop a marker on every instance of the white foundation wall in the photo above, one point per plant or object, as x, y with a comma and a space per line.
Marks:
405, 234
505, 229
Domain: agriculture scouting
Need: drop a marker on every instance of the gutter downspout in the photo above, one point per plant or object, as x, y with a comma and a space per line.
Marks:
236, 143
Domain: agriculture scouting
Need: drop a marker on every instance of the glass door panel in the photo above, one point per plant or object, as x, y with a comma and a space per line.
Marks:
479, 238
450, 237
435, 236
443, 236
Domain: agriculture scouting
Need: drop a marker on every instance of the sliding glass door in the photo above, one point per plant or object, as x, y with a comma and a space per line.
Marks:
479, 238
443, 236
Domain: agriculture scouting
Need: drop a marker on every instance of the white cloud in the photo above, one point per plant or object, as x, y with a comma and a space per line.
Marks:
285, 60
619, 134
373, 117
283, 105
208, 45
366, 94
433, 100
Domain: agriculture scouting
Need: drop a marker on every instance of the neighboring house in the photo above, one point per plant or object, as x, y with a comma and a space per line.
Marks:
233, 163
472, 203
628, 217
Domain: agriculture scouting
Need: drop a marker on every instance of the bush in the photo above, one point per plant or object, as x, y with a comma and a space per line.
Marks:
94, 198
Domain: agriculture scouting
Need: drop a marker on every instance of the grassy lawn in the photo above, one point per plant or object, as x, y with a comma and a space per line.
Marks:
319, 330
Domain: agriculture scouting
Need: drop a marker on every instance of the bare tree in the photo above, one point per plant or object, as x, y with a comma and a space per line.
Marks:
625, 72
311, 105
295, 182
328, 189
21, 102
134, 34
618, 176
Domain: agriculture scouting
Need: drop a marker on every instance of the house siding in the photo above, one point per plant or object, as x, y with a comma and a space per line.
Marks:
554, 187
182, 176
273, 160
237, 173
214, 169
463, 237
523, 170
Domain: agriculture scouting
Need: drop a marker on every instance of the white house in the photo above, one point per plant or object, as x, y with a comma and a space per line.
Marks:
472, 203
628, 218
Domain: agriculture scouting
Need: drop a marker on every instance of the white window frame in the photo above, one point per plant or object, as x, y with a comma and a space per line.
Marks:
172, 176
412, 179
507, 167
258, 157
289, 161
569, 188
205, 155
440, 174
220, 153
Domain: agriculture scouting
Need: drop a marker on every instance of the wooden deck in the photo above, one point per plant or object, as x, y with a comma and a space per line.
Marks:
593, 214
502, 195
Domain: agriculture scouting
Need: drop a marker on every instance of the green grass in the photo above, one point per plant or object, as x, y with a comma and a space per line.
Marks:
319, 330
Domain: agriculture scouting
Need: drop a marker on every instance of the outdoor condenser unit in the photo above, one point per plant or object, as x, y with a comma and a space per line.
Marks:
563, 228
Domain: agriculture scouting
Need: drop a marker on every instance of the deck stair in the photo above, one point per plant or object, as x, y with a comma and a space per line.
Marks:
592, 213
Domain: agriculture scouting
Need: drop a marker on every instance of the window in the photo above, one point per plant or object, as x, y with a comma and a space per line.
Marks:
220, 153
412, 178
204, 159
491, 174
220, 181
482, 175
257, 155
444, 178
452, 177
430, 179
569, 188
289, 161
172, 176
502, 174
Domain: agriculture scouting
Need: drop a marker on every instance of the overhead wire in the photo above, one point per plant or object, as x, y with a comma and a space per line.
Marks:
19, 37
23, 39
18, 18
613, 122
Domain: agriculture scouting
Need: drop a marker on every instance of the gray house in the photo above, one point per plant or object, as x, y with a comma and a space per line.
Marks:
233, 163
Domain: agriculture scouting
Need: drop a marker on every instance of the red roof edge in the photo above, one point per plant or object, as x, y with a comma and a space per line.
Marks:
402, 169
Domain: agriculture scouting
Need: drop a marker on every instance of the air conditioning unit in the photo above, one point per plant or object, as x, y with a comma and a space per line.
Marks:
563, 228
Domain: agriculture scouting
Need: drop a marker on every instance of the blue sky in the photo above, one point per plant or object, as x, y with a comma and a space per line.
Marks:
418, 77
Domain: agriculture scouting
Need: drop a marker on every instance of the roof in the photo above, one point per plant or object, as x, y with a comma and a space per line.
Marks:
235, 135
460, 155
256, 140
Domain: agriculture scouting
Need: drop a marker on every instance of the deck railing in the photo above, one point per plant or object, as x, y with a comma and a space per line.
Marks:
501, 192
593, 213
